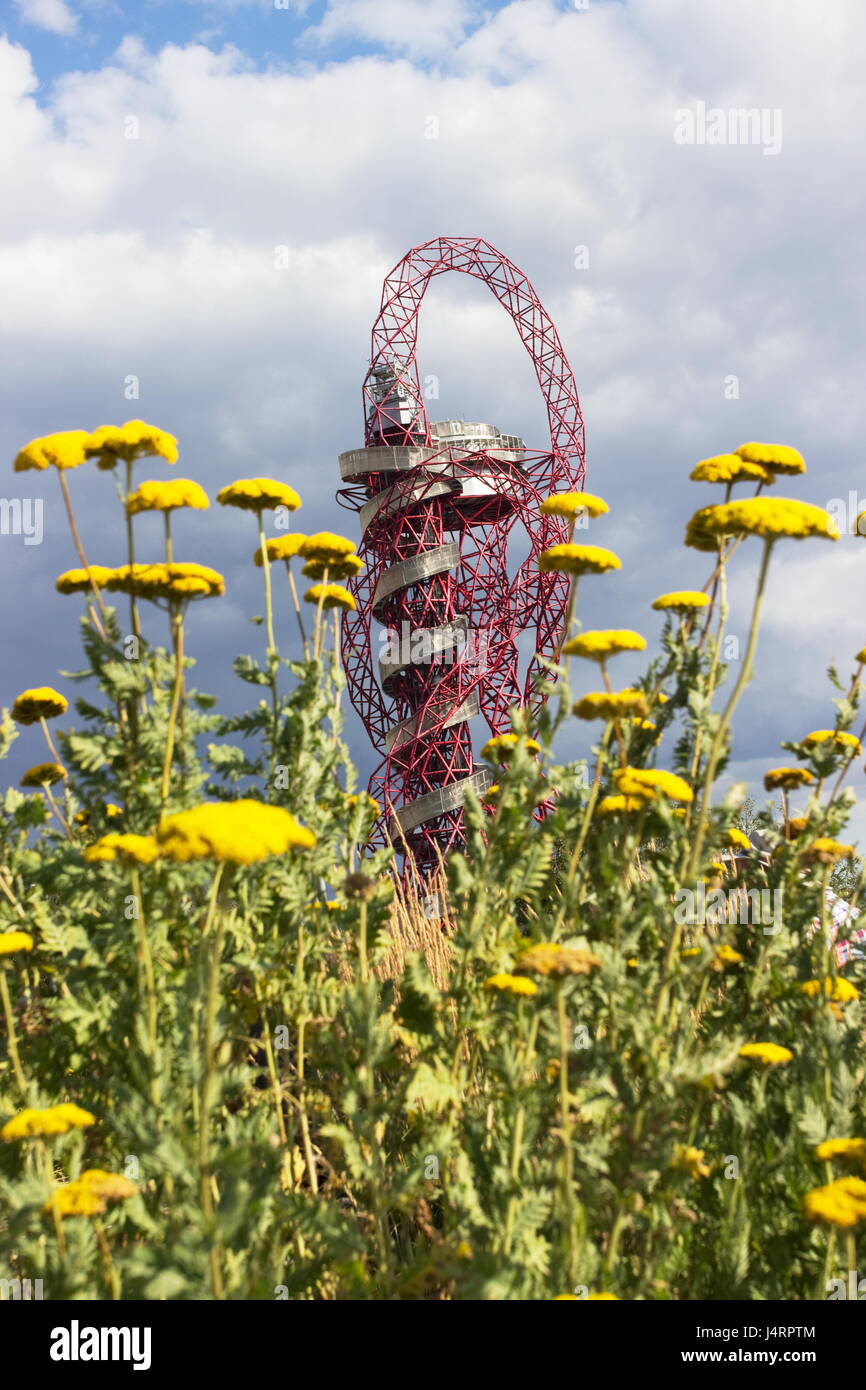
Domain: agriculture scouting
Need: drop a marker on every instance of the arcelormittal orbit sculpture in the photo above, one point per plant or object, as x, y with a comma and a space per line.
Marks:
443, 599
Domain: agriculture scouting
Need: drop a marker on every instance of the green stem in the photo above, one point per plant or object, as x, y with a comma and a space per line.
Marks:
11, 1037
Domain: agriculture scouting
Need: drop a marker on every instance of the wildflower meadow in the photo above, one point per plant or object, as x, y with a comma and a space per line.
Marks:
243, 1058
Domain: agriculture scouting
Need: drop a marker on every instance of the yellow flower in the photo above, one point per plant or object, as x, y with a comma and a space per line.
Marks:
737, 839
690, 1160
73, 1199
511, 984
681, 601
860, 657
57, 1119
569, 558
842, 1148
503, 746
796, 826
840, 1203
281, 547
714, 868
132, 849
331, 596
548, 958
43, 775
180, 580
326, 547
728, 955
12, 941
620, 805
39, 703
364, 799
778, 458
603, 704
837, 988
770, 1054
646, 724
258, 495
787, 778
828, 851
64, 450
730, 468
595, 646
573, 504
602, 1298
637, 781
840, 737
133, 440
79, 582
770, 517
241, 832
343, 568
167, 496
111, 1187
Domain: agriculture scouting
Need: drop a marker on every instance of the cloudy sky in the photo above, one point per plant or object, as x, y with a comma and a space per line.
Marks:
155, 155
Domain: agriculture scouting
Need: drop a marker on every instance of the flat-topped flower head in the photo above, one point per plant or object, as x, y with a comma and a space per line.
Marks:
617, 805
503, 746
281, 547
73, 1199
570, 558
772, 518
40, 703
343, 568
651, 782
697, 537
111, 444
853, 1149
180, 580
835, 987
840, 738
156, 496
860, 657
62, 451
777, 458
787, 779
681, 601
573, 504
111, 1187
78, 581
237, 832
730, 468
504, 983
735, 838
326, 547
604, 642
11, 942
259, 495
331, 596
828, 851
43, 775
56, 1119
615, 704
131, 849
767, 1053
688, 1159
841, 1203
549, 958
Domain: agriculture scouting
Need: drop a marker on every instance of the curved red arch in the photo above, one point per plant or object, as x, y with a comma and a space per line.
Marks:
400, 415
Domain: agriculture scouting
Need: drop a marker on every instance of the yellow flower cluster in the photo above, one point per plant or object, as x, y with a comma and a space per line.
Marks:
64, 450
840, 737
689, 1160
331, 596
43, 775
769, 517
57, 1119
730, 468
281, 547
549, 958
620, 805
343, 568
616, 704
829, 851
769, 1054
681, 601
238, 832
39, 703
511, 984
840, 1203
736, 838
113, 443
132, 849
569, 558
166, 497
12, 941
837, 988
503, 746
651, 782
89, 1194
573, 504
778, 458
325, 547
181, 580
258, 495
787, 779
597, 645
854, 1149
78, 581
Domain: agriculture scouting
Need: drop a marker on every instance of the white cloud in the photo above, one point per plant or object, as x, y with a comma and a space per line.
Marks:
53, 15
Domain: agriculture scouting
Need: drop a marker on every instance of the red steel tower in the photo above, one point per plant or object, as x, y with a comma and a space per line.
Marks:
453, 615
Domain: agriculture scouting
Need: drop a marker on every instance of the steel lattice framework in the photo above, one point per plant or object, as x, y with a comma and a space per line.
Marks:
438, 505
